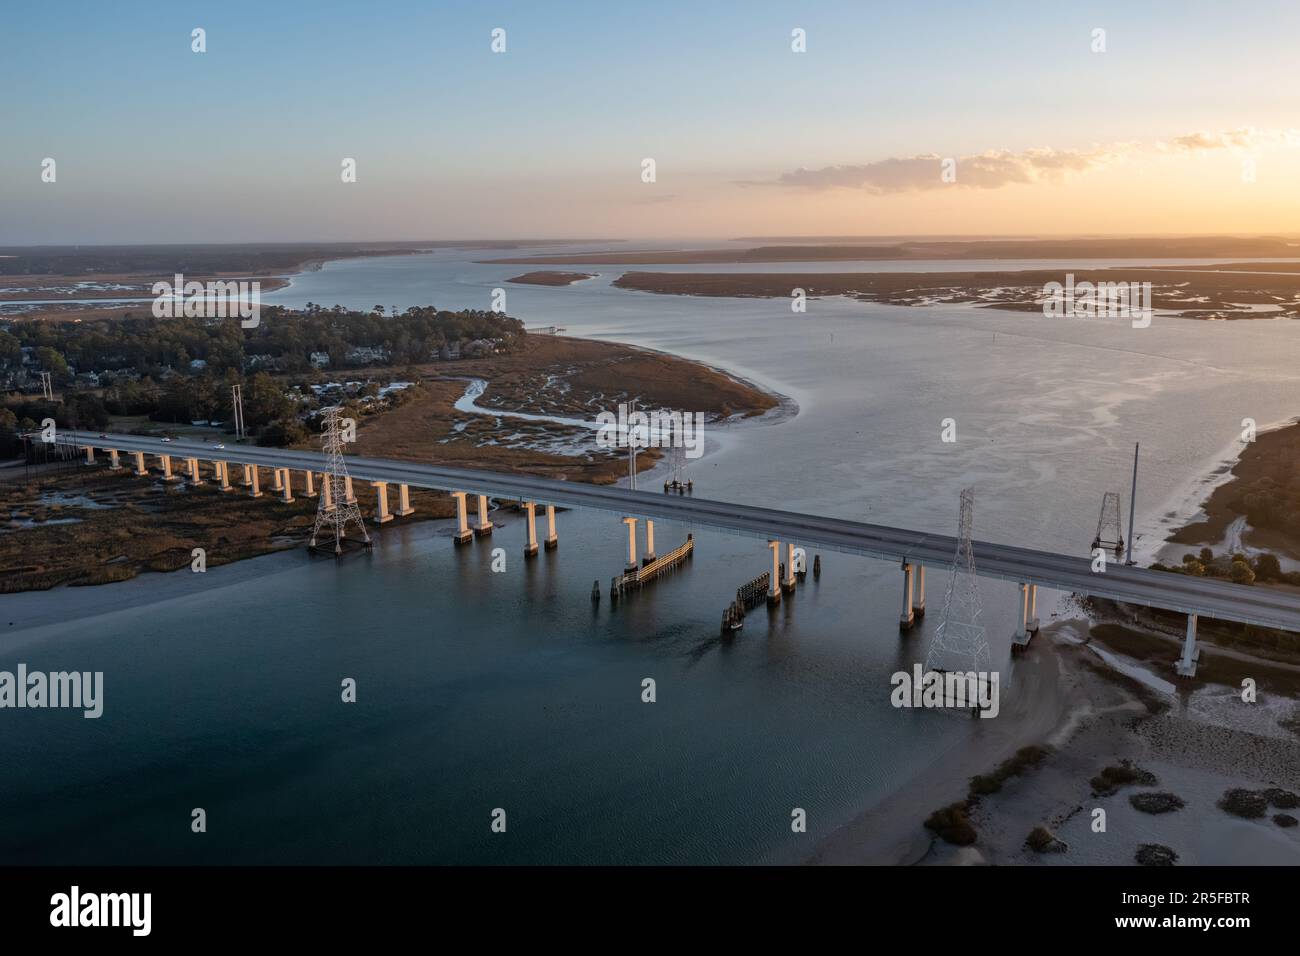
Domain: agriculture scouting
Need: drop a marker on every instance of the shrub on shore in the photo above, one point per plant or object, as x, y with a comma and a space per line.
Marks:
1153, 854
1249, 804
952, 824
1123, 774
1043, 840
1284, 819
1024, 759
1156, 802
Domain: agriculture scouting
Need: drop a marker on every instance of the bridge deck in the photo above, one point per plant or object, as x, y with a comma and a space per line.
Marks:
1266, 607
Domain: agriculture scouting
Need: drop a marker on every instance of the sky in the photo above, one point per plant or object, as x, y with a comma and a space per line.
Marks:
1188, 121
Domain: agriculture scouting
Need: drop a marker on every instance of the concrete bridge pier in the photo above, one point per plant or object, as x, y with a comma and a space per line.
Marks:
403, 502
1031, 614
222, 475
918, 606
631, 544
774, 583
1021, 637
326, 492
484, 523
254, 491
140, 469
276, 482
530, 549
381, 503
248, 480
309, 478
552, 542
788, 584
349, 496
90, 454
193, 465
907, 617
463, 534
167, 468
286, 486
649, 541
1186, 666
113, 463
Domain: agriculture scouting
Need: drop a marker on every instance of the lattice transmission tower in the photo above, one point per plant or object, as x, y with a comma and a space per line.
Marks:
1108, 523
959, 643
336, 509
677, 479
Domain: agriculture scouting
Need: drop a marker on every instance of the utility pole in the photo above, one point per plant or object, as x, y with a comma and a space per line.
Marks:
237, 403
47, 387
1132, 503
631, 450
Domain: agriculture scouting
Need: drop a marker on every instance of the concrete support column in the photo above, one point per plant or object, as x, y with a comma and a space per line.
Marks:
484, 525
381, 504
326, 492
247, 475
349, 498
552, 542
223, 475
253, 490
918, 606
310, 477
788, 584
631, 544
774, 582
907, 617
463, 534
167, 467
403, 502
140, 470
90, 454
530, 550
112, 458
1022, 614
649, 541
195, 477
1186, 666
1031, 615
286, 487
276, 484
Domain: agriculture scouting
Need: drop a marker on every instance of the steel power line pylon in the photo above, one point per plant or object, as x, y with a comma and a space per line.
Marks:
336, 508
1108, 524
959, 643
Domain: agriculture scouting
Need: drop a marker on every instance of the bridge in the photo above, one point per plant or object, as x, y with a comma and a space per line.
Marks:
1027, 567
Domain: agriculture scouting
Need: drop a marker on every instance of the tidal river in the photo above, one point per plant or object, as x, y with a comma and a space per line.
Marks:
480, 690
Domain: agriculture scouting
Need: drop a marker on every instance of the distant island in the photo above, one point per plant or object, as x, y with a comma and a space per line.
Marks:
552, 278
1192, 292
1190, 247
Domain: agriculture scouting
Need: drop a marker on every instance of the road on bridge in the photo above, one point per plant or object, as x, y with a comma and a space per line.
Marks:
1262, 606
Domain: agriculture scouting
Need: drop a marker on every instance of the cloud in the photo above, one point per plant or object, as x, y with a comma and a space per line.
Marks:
997, 168
1245, 137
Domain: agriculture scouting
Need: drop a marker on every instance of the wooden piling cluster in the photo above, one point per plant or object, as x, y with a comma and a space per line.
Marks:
747, 596
643, 575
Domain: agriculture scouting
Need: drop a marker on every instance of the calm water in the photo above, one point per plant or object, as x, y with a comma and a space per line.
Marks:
481, 690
